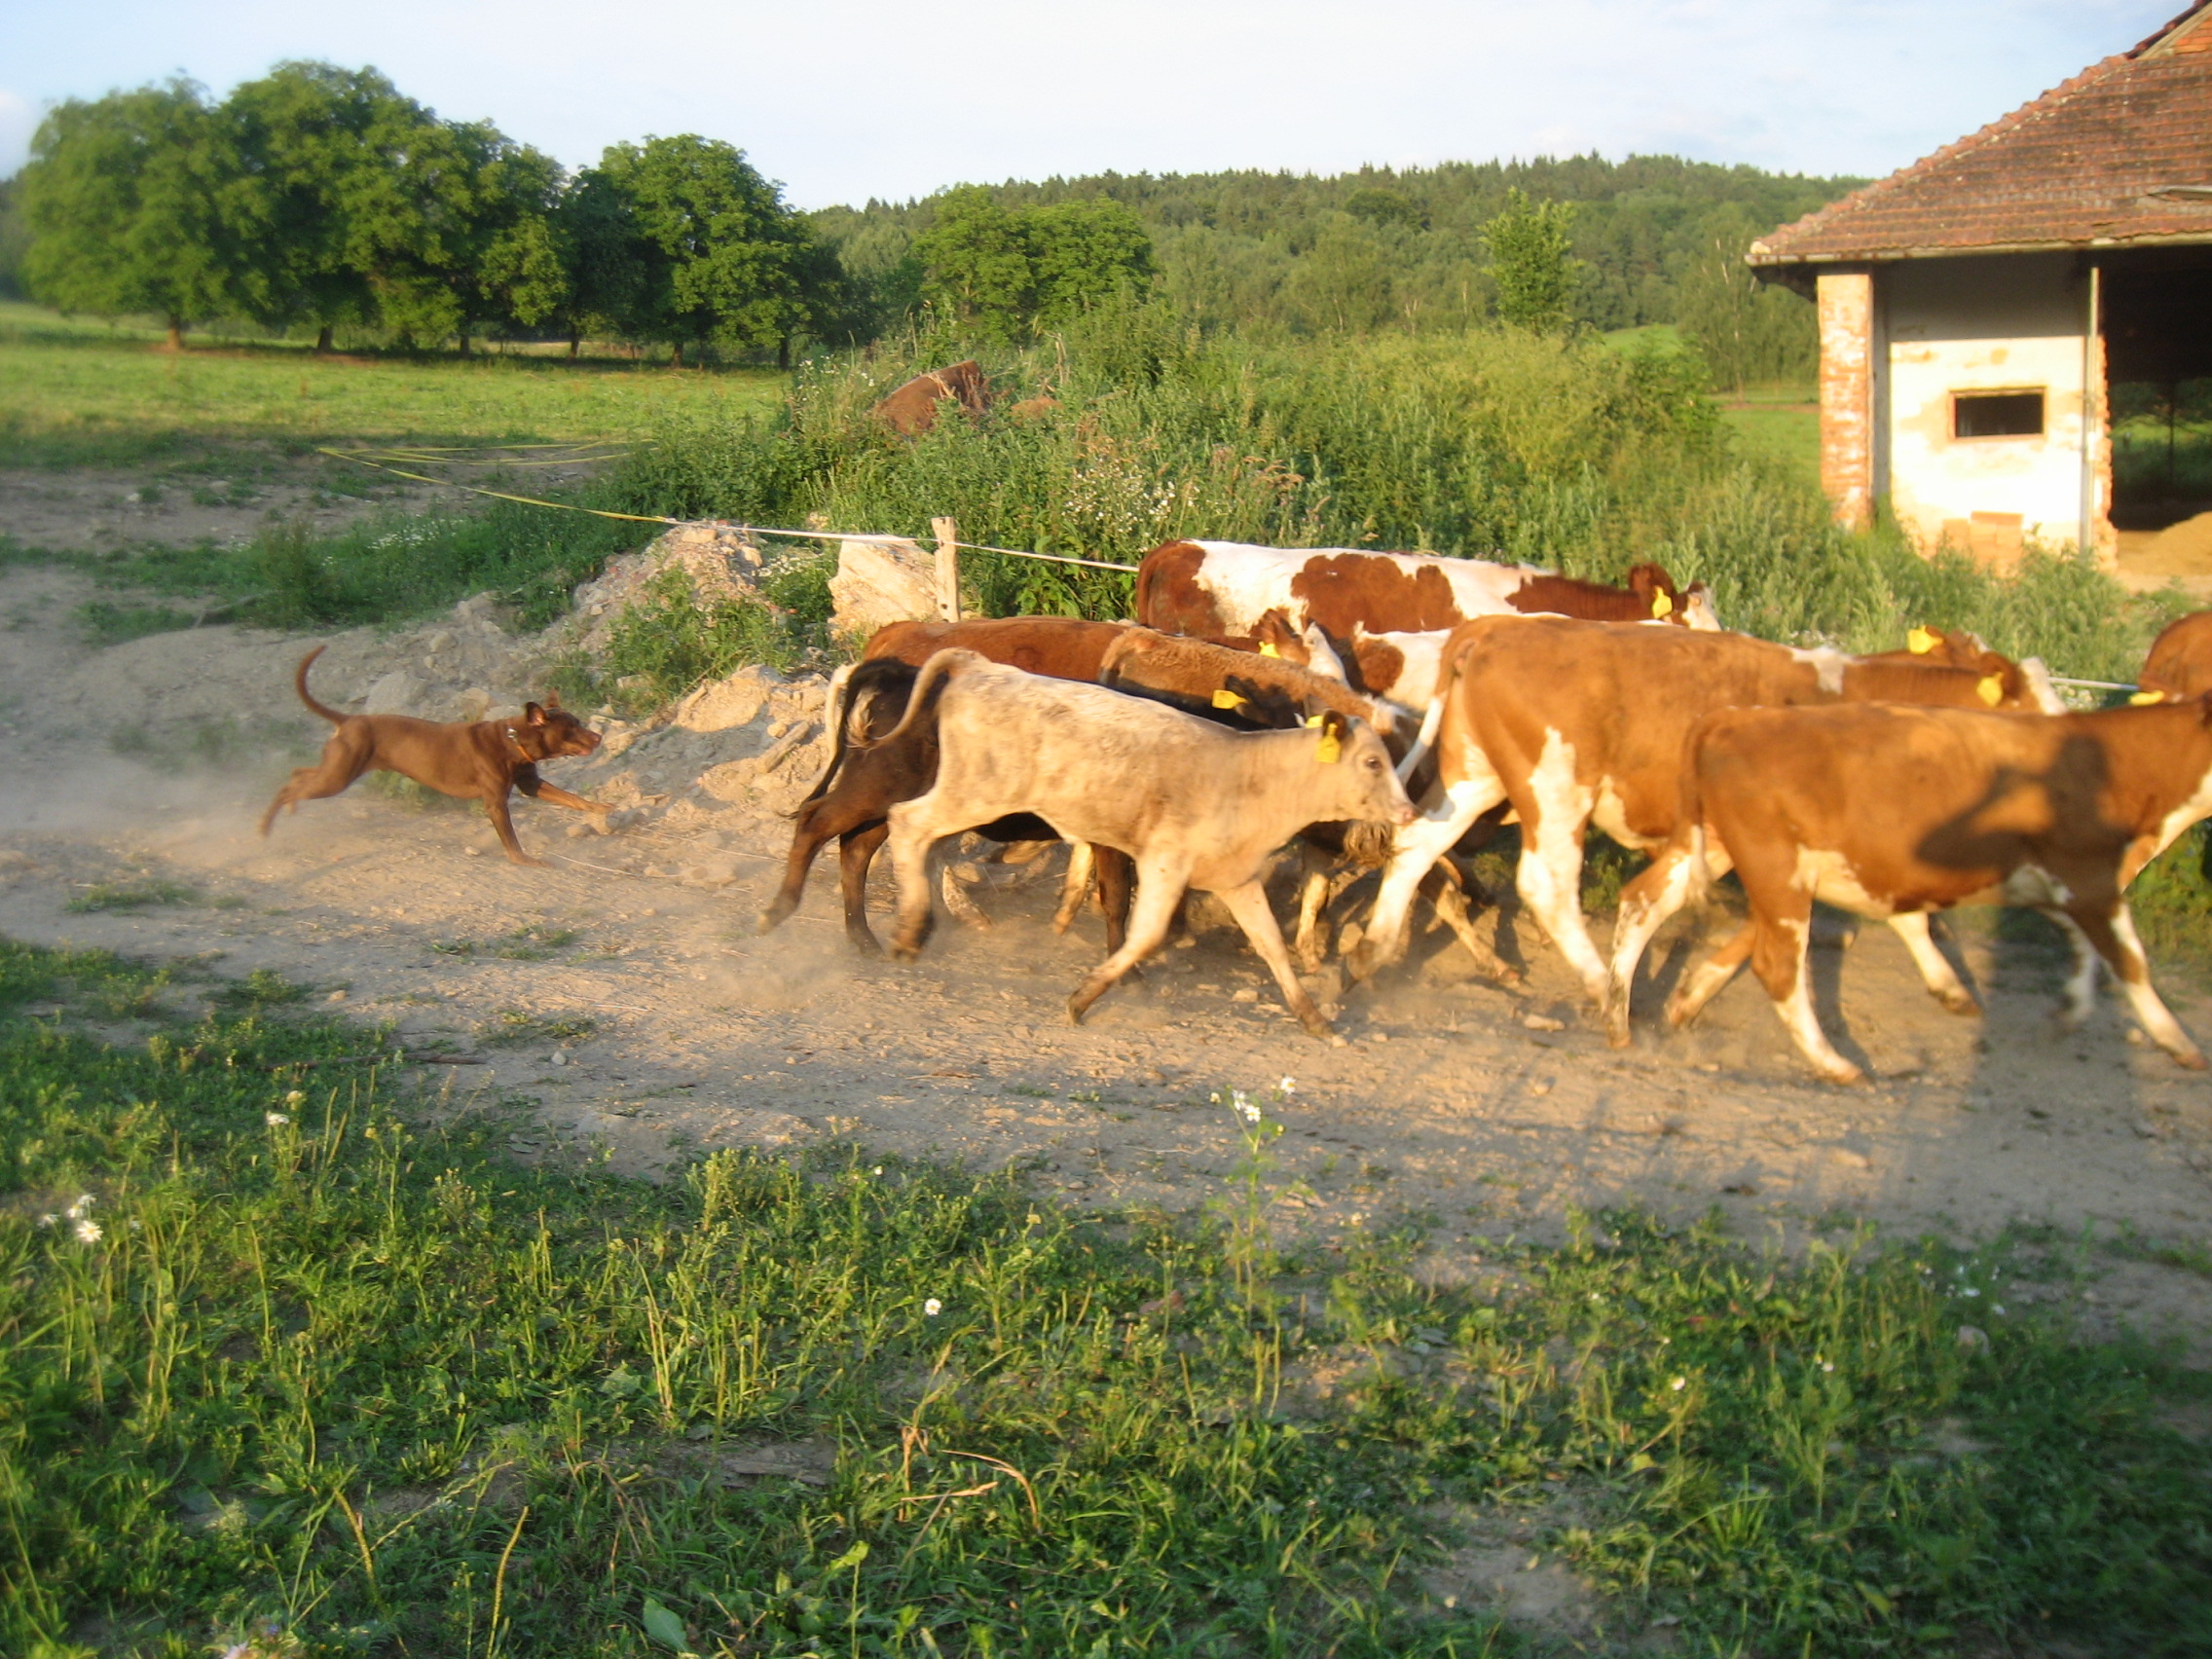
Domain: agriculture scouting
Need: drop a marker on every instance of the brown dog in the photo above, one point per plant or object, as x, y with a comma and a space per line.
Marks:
485, 759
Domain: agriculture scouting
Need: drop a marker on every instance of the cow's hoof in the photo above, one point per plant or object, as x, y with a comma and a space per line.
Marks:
866, 944
770, 920
2190, 1060
1960, 1003
1076, 1011
1847, 1073
900, 951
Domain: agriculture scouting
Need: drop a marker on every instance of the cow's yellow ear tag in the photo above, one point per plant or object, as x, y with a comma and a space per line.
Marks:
1661, 606
1268, 648
1314, 720
2143, 699
1329, 748
1991, 690
1920, 642
1228, 699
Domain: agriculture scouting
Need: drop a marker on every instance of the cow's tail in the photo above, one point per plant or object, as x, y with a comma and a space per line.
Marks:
929, 686
299, 684
1689, 823
849, 691
2035, 675
1425, 740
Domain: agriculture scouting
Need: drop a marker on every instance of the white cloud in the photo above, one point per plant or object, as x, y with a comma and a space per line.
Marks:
19, 120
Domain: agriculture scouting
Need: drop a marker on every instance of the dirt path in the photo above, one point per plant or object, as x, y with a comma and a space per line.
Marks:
1453, 1099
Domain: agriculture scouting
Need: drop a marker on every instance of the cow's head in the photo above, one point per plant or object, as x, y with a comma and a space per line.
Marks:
1685, 608
1361, 780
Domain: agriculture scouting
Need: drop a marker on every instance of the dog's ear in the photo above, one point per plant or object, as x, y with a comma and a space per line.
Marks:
533, 713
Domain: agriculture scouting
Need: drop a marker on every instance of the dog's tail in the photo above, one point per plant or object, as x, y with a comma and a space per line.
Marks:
299, 684
929, 685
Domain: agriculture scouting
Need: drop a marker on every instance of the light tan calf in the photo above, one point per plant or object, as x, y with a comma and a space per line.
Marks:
1892, 811
1194, 805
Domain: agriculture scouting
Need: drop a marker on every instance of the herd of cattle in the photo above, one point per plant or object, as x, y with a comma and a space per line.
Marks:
1386, 711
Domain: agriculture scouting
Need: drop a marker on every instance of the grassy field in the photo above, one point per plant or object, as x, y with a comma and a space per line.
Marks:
1780, 426
72, 394
303, 1362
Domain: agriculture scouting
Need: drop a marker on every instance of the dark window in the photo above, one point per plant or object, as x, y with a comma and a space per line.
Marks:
1997, 415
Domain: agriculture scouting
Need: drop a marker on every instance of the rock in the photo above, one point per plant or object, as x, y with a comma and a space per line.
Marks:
879, 582
1543, 1022
719, 558
734, 700
398, 692
785, 745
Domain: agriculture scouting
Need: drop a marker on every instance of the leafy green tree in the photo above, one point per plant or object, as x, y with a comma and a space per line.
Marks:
1342, 285
14, 239
693, 245
1533, 263
978, 266
370, 211
1081, 252
1746, 330
1003, 274
133, 204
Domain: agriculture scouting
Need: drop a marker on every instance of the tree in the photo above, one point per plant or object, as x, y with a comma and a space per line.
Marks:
689, 242
1532, 262
371, 211
1004, 273
976, 264
133, 201
1342, 285
1746, 330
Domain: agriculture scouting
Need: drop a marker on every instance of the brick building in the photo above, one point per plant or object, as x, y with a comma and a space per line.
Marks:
1982, 310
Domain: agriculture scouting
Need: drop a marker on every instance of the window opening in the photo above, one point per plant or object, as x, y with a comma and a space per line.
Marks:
1997, 415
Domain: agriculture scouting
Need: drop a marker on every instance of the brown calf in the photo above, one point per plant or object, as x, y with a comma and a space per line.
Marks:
1893, 811
912, 409
1582, 723
2180, 663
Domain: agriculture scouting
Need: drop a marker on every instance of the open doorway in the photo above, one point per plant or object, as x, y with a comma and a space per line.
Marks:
2158, 334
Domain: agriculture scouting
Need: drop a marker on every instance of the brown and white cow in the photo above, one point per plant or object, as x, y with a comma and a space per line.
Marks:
1581, 722
1893, 811
1069, 648
1193, 803
912, 409
1220, 587
2180, 663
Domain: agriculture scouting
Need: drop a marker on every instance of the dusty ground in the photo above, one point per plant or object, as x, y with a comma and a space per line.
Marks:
94, 509
1453, 1099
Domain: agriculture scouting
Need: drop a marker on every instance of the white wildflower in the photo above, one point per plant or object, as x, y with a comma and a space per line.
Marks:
1997, 1308
87, 1233
80, 1208
931, 1307
50, 1219
1289, 1085
276, 1120
1970, 1291
1244, 1107
296, 1098
1828, 1365
1678, 1384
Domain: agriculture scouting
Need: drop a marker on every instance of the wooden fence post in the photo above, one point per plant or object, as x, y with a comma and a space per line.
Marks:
948, 533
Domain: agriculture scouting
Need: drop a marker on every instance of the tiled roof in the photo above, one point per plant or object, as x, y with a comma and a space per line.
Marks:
2122, 154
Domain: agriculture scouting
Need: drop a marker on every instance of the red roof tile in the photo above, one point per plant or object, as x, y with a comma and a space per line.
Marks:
2122, 154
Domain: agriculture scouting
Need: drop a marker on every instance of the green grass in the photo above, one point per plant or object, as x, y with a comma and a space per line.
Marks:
130, 895
81, 394
337, 1374
1781, 429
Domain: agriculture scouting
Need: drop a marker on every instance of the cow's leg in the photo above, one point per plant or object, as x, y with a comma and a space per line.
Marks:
1550, 881
818, 820
1116, 883
1158, 889
2080, 990
1647, 902
914, 834
2113, 931
1249, 905
1075, 886
1780, 939
1314, 890
1936, 970
1702, 984
856, 856
957, 901
1441, 886
1447, 814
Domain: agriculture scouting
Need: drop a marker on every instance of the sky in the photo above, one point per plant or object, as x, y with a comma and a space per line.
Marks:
847, 99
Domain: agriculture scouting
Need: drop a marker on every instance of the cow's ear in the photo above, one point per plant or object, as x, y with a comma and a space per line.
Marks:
1332, 743
552, 700
533, 713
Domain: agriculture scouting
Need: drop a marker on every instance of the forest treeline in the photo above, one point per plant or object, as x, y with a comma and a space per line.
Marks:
322, 202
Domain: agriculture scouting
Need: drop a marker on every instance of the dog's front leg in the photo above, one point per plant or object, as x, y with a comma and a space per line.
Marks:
496, 809
538, 789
